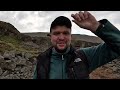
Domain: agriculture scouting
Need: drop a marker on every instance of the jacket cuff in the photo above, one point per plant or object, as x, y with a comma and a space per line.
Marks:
101, 26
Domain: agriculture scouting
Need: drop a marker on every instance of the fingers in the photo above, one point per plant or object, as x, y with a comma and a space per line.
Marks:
76, 22
76, 17
80, 16
86, 14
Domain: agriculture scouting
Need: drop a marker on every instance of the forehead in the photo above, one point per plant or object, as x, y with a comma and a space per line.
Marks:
61, 29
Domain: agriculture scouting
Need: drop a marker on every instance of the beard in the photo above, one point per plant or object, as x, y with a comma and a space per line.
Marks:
61, 51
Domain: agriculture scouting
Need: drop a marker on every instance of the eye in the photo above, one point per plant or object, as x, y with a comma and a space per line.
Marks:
66, 33
56, 33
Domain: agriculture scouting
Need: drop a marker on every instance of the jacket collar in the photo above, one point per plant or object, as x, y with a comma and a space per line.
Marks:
48, 52
54, 52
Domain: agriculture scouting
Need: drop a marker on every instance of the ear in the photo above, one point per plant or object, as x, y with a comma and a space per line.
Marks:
49, 35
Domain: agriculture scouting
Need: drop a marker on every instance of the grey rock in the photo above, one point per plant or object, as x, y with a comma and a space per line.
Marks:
5, 73
1, 58
1, 71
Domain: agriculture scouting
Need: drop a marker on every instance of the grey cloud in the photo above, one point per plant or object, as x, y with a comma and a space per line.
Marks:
42, 14
44, 28
29, 24
47, 13
6, 15
43, 19
49, 16
115, 16
53, 14
21, 15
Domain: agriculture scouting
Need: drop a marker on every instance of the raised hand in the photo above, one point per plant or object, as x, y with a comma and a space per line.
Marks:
85, 20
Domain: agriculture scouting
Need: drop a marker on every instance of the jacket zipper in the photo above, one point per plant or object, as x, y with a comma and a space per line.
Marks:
62, 57
73, 73
62, 66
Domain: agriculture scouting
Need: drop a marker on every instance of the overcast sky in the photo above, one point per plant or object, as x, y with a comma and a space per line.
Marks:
39, 21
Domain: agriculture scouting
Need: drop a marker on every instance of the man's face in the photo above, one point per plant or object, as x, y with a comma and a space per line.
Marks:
61, 37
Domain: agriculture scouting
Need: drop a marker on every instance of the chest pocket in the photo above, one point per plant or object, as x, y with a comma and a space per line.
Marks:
79, 67
80, 70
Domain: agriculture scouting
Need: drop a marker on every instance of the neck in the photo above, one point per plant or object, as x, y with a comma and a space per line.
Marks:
61, 51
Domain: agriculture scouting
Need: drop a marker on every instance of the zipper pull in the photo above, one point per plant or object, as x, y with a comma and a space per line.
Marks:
62, 57
73, 72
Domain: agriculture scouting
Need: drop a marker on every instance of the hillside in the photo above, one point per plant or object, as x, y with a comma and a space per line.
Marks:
18, 53
80, 37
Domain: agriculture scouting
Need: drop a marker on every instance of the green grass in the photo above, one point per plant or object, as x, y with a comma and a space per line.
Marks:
8, 43
9, 39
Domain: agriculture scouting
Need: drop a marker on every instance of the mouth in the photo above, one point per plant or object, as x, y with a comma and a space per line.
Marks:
61, 44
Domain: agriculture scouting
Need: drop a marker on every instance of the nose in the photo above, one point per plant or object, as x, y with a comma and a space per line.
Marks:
61, 37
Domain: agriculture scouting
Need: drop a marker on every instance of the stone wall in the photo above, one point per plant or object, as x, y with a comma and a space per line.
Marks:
17, 65
21, 65
110, 70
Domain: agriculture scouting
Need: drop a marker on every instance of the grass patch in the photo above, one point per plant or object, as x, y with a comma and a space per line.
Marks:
9, 39
8, 43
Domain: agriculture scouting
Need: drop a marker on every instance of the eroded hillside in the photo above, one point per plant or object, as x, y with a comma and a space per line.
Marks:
18, 53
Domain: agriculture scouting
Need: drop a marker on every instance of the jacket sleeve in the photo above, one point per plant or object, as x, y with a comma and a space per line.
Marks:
107, 51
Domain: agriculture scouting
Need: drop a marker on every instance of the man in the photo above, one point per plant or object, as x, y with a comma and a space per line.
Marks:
62, 61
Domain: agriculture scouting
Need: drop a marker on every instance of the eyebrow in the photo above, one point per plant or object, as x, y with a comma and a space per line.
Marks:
64, 32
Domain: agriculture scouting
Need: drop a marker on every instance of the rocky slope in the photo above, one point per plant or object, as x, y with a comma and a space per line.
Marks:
18, 53
17, 65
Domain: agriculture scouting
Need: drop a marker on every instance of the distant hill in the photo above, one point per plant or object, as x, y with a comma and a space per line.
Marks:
12, 39
18, 53
38, 41
81, 37
8, 29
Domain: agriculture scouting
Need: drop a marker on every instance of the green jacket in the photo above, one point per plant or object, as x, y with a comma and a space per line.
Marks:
96, 55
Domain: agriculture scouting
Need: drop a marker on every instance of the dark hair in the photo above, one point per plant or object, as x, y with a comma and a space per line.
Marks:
61, 21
